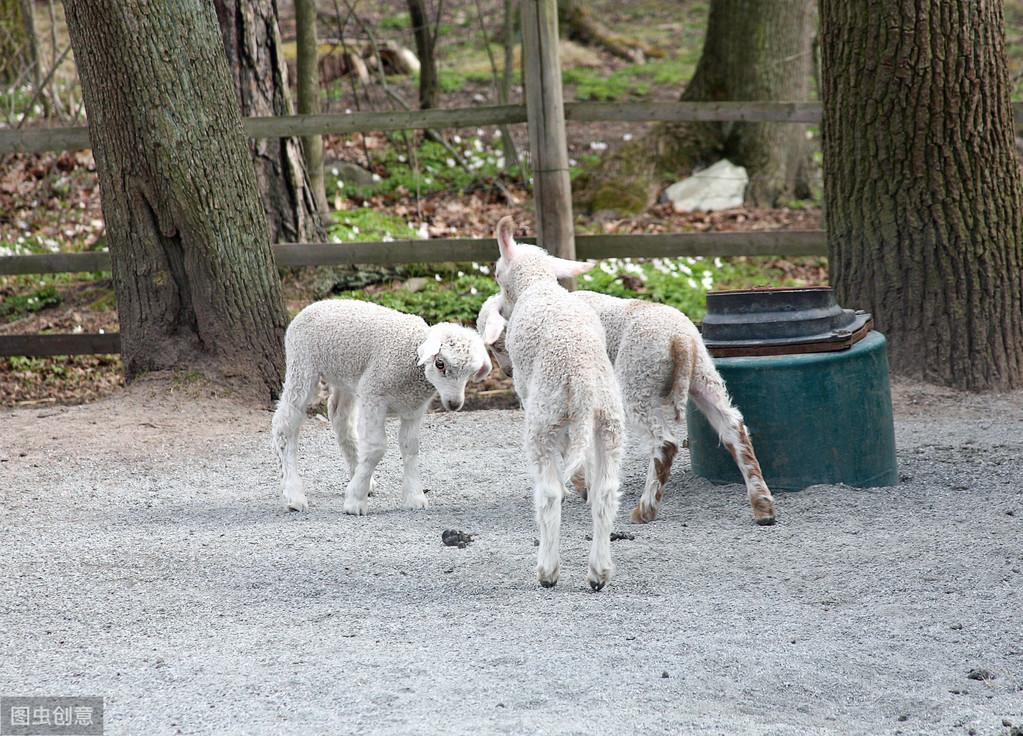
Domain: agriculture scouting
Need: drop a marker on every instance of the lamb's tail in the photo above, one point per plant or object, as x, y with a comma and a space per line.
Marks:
595, 428
687, 357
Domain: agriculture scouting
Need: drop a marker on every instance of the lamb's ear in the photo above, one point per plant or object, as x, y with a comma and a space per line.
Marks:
484, 370
565, 269
494, 327
429, 349
505, 234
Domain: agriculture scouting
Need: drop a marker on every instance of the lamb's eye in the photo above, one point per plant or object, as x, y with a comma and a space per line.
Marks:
439, 364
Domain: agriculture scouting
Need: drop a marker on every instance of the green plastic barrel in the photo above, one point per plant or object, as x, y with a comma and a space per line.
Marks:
813, 418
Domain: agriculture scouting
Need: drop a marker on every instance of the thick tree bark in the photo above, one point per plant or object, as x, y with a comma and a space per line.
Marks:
753, 50
256, 60
195, 279
309, 95
17, 42
426, 42
924, 202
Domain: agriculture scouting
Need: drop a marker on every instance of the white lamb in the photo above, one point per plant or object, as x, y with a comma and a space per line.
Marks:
660, 362
574, 415
375, 361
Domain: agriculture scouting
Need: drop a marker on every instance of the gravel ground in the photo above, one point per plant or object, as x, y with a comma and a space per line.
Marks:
147, 558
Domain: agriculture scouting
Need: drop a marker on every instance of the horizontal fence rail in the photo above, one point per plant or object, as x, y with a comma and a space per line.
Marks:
296, 255
442, 250
38, 140
41, 346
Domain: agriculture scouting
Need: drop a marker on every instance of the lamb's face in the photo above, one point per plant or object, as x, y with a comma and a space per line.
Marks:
452, 356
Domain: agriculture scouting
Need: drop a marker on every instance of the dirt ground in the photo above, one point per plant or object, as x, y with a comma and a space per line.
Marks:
147, 558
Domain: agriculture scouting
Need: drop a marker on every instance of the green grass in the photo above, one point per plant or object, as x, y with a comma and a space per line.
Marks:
366, 224
434, 169
457, 293
455, 80
635, 80
456, 297
18, 305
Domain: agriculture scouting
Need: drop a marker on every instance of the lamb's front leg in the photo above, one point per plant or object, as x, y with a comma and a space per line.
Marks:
412, 496
372, 442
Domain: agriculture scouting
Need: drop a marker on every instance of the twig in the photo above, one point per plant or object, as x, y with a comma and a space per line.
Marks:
42, 85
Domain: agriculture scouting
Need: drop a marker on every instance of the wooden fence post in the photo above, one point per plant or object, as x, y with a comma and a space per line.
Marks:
545, 117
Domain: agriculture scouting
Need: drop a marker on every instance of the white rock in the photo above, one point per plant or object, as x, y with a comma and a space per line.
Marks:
718, 187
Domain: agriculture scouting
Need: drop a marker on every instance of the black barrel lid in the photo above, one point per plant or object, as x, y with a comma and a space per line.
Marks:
781, 316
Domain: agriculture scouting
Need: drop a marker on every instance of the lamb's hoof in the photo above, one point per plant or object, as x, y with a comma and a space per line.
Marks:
763, 510
415, 502
355, 507
298, 504
372, 486
598, 578
549, 578
643, 514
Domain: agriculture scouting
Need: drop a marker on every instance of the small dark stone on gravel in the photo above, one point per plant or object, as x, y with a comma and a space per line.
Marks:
903, 717
1016, 731
665, 675
956, 627
615, 536
1006, 722
1010, 512
536, 542
979, 673
455, 538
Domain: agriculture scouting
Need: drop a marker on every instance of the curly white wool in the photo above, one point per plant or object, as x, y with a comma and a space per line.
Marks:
574, 417
375, 361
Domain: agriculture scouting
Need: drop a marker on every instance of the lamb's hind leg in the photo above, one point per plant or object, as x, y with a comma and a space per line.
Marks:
372, 443
298, 393
710, 396
663, 449
645, 416
343, 417
547, 493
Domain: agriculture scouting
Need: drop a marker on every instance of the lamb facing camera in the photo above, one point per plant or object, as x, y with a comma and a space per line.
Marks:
375, 362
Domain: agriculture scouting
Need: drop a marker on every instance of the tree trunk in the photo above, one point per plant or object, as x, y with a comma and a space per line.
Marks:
578, 24
17, 42
924, 201
308, 86
195, 279
752, 51
253, 45
429, 86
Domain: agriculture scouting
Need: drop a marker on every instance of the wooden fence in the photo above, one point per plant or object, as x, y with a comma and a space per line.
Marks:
546, 115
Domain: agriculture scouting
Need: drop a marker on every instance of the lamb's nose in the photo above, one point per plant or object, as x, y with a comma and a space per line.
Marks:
453, 407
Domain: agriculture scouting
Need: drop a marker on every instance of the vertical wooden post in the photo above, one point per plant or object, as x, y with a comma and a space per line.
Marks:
308, 84
545, 111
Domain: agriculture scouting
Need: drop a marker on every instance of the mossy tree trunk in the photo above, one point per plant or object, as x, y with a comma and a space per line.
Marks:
753, 50
253, 45
924, 201
17, 41
196, 284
